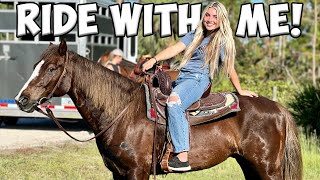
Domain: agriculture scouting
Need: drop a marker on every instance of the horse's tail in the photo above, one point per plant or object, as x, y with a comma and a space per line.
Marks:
292, 164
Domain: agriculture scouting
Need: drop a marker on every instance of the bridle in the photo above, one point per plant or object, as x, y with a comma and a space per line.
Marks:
45, 99
51, 115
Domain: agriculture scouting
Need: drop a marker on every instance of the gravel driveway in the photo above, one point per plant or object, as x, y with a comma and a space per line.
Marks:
39, 132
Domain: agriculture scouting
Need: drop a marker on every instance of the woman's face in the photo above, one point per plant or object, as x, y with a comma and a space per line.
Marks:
210, 20
117, 59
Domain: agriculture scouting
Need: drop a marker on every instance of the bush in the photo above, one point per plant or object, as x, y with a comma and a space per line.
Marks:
263, 88
306, 109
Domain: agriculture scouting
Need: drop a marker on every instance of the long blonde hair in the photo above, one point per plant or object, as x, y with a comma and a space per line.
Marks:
221, 37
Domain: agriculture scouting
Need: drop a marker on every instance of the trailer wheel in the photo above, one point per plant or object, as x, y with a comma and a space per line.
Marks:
10, 121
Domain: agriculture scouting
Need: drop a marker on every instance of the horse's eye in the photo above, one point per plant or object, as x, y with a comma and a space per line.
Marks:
51, 69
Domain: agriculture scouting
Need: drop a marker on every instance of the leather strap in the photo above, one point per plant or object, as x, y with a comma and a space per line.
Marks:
61, 77
44, 99
154, 155
50, 115
153, 104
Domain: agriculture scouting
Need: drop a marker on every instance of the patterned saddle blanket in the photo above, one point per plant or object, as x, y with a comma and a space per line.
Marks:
209, 108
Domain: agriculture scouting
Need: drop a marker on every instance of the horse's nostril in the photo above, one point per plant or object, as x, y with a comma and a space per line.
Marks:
23, 100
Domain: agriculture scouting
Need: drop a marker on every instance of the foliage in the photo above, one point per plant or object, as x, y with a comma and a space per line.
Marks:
6, 5
306, 106
252, 80
284, 57
281, 58
2, 36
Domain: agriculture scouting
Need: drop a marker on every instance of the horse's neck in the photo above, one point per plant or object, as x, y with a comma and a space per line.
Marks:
99, 94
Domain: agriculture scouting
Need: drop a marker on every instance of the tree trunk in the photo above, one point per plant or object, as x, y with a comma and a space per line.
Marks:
314, 43
280, 50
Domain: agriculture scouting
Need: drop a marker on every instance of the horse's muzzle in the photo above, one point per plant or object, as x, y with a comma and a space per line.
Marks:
25, 104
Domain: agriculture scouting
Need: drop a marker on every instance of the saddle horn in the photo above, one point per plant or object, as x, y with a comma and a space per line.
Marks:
139, 66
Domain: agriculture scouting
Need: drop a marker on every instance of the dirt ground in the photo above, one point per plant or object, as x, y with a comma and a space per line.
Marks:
39, 132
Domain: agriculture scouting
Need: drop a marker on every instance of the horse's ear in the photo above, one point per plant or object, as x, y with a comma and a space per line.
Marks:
50, 44
62, 48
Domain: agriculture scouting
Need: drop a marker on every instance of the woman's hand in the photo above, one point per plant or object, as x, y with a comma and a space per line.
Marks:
247, 93
236, 83
149, 64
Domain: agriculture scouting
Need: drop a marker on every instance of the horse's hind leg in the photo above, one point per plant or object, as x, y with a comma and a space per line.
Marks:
262, 157
133, 174
117, 176
137, 174
259, 170
262, 161
248, 168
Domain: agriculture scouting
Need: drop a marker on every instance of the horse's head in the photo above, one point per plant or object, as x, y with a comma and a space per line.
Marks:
49, 78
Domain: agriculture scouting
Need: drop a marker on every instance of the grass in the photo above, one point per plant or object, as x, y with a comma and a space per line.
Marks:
83, 161
68, 161
311, 157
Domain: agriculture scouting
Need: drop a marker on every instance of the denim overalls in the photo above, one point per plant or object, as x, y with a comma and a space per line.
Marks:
191, 83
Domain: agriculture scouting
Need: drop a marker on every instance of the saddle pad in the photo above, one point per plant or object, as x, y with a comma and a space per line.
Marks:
207, 115
222, 104
151, 114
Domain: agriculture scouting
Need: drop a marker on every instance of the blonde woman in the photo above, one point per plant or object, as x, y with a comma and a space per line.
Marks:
207, 49
116, 57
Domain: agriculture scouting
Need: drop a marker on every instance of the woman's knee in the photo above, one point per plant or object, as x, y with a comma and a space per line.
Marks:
174, 99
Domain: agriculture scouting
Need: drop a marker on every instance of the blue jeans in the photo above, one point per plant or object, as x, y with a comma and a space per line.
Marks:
188, 88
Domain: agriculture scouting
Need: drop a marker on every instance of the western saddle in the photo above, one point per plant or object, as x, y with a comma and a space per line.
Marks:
211, 105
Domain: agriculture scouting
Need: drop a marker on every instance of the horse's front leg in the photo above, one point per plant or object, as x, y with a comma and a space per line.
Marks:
137, 174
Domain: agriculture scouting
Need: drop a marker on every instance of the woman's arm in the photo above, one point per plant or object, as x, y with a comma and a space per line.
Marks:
165, 54
236, 83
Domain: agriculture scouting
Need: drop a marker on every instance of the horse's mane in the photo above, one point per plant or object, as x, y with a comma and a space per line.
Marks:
108, 90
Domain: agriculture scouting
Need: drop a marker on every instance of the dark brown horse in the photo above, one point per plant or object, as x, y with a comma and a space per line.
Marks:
262, 137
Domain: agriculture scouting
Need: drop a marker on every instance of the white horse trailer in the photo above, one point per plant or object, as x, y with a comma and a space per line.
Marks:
18, 55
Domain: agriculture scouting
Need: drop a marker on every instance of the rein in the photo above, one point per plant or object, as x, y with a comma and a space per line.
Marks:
51, 115
44, 99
